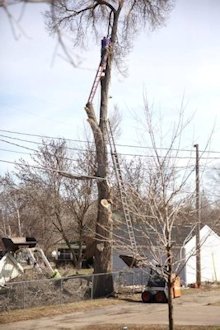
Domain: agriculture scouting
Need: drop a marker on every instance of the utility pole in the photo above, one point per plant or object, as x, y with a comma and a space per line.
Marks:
198, 221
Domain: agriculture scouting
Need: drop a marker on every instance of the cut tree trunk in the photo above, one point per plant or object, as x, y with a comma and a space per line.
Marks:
103, 284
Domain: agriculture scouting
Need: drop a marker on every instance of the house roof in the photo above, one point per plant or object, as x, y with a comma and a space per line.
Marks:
205, 233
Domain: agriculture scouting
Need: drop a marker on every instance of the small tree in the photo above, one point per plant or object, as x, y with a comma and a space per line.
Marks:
164, 201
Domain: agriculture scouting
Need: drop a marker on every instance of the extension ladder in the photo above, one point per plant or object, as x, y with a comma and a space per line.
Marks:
100, 71
115, 160
122, 191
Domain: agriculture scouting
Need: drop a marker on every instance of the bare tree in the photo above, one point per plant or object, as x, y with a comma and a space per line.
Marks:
166, 196
79, 196
12, 202
62, 202
119, 20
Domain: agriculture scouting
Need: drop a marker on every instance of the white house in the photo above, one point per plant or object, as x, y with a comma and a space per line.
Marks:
210, 257
184, 257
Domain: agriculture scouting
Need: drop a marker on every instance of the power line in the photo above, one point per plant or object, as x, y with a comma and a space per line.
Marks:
93, 151
31, 154
63, 173
180, 168
117, 144
86, 150
34, 142
16, 152
18, 145
18, 139
45, 136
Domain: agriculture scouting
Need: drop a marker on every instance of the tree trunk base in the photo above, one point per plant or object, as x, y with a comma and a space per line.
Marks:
103, 286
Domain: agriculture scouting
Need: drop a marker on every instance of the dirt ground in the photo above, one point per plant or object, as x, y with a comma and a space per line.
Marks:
198, 308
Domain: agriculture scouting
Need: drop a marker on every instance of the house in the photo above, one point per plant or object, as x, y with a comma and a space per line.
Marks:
184, 259
210, 257
184, 256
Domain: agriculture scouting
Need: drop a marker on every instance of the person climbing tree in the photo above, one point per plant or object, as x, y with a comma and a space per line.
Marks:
105, 43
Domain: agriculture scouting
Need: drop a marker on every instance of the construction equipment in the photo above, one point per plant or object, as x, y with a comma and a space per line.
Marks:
22, 254
156, 289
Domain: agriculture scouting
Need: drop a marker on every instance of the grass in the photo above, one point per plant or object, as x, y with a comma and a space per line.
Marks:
145, 327
69, 271
204, 288
49, 311
45, 311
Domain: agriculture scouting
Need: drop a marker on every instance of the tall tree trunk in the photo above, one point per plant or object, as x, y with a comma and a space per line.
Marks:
103, 285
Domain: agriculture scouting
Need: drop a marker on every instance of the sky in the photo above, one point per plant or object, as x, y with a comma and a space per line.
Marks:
176, 64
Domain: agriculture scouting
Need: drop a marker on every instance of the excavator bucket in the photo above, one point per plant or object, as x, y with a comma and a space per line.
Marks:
130, 261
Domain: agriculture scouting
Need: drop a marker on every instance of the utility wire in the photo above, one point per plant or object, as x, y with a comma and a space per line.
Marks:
16, 152
93, 151
34, 142
119, 145
179, 168
85, 150
91, 177
18, 145
32, 154
63, 173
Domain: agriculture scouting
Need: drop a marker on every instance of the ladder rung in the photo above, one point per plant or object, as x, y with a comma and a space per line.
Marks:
122, 191
98, 75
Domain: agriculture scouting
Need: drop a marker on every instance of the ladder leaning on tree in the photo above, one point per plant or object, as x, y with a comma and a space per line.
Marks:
98, 76
122, 191
114, 155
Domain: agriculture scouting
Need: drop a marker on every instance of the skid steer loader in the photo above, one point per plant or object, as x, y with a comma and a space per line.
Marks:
156, 290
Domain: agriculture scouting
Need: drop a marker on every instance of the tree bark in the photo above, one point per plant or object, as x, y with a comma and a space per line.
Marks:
103, 285
170, 289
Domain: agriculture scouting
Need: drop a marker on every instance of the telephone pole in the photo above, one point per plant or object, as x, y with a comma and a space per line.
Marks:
198, 221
